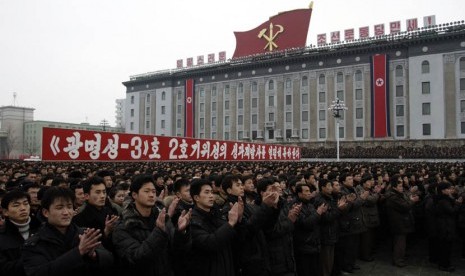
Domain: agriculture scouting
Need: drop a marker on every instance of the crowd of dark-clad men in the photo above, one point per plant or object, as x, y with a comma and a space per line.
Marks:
225, 218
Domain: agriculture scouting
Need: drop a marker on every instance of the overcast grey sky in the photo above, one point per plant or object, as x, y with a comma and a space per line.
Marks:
68, 58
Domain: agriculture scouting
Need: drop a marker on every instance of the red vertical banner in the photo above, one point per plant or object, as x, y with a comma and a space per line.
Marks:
190, 115
380, 124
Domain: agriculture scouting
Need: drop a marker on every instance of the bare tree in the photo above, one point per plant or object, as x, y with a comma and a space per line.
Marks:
32, 148
12, 140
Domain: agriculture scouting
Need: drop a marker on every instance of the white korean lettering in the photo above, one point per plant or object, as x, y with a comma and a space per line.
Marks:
74, 144
112, 147
136, 142
173, 144
183, 147
205, 152
223, 150
155, 147
195, 149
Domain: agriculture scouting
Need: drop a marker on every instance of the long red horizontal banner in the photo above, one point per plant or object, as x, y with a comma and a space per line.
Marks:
82, 145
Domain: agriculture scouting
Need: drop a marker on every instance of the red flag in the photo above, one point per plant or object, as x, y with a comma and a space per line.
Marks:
380, 123
286, 30
190, 115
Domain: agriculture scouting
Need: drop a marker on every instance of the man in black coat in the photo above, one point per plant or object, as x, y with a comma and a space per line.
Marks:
212, 236
60, 247
145, 241
18, 227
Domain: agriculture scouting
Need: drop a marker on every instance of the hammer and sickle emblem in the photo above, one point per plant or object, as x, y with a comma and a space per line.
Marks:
271, 36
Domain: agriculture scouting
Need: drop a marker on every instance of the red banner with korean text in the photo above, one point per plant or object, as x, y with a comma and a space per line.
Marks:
380, 123
286, 30
82, 145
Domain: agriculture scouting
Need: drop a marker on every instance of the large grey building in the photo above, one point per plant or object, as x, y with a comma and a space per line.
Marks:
284, 96
12, 119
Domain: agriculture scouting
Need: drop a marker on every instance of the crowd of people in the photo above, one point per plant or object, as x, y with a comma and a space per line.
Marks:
224, 218
426, 152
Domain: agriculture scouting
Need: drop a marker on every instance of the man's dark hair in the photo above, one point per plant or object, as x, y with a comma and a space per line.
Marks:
139, 181
196, 186
322, 183
342, 177
28, 185
263, 184
58, 180
228, 181
298, 188
179, 184
87, 185
13, 195
53, 193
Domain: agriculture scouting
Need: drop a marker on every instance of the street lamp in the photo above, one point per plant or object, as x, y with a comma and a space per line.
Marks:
337, 107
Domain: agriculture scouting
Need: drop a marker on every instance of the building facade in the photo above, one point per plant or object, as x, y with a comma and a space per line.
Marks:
284, 96
12, 119
119, 113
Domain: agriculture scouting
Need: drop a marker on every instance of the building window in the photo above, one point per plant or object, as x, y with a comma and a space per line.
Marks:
322, 133
462, 127
358, 94
358, 75
304, 81
304, 116
202, 92
399, 71
178, 123
271, 117
400, 131
288, 99
226, 89
240, 135
399, 90
426, 109
254, 134
132, 126
254, 119
214, 91
359, 132
163, 110
288, 117
321, 79
271, 85
179, 95
359, 113
202, 107
305, 133
288, 133
340, 95
305, 98
132, 112
270, 100
226, 120
462, 64
202, 135
202, 123
425, 87
240, 103
254, 102
213, 121
462, 84
240, 88
132, 99
399, 110
240, 120
213, 106
462, 106
179, 110
426, 129
425, 67
226, 105
341, 132
147, 111
213, 135
147, 124
226, 136
288, 83
322, 97
163, 95
163, 124
148, 98
339, 78
322, 115
254, 86
271, 134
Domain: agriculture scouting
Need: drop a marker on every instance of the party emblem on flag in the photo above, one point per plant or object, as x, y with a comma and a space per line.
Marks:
270, 37
379, 82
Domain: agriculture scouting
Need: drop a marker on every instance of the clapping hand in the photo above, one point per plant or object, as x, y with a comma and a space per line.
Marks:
110, 222
184, 220
88, 242
160, 223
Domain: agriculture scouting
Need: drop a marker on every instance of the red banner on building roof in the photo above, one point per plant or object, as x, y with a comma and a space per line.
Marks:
82, 145
286, 30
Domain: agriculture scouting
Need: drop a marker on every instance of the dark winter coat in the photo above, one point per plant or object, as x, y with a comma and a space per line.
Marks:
370, 215
211, 253
11, 244
399, 211
351, 222
307, 230
144, 249
445, 215
50, 253
329, 220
